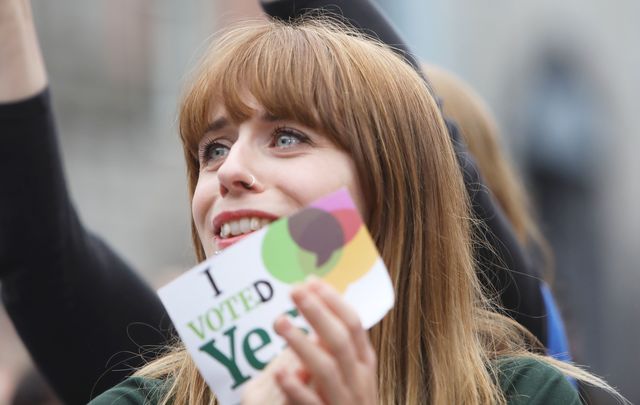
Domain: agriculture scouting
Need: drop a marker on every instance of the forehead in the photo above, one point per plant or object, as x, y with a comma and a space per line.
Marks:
219, 115
219, 108
239, 93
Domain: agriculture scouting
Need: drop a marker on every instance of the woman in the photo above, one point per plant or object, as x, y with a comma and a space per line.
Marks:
86, 280
271, 107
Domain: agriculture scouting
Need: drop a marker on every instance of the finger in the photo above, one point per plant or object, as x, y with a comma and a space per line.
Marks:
263, 389
319, 363
341, 309
332, 332
295, 391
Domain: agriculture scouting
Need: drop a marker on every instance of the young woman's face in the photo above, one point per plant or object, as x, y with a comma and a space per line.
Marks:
292, 166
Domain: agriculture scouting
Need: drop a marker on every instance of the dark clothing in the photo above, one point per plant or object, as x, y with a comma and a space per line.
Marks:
523, 381
364, 15
83, 313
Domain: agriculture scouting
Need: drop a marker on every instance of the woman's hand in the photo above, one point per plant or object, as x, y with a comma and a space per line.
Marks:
263, 389
339, 361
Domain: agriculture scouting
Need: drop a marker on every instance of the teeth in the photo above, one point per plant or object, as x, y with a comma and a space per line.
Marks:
235, 228
225, 231
242, 226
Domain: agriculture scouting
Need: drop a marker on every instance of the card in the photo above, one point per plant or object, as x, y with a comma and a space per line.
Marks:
224, 308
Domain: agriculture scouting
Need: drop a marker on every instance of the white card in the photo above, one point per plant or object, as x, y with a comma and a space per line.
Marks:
224, 308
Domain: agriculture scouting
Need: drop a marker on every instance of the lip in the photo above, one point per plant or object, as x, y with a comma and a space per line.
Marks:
227, 216
225, 243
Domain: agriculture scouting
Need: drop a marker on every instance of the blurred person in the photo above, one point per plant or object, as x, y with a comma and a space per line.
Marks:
78, 307
92, 289
270, 107
480, 132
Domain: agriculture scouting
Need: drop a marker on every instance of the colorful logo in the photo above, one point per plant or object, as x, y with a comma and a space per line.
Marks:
327, 239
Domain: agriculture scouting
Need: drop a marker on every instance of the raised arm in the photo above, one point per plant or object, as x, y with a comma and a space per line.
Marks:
508, 271
79, 309
22, 72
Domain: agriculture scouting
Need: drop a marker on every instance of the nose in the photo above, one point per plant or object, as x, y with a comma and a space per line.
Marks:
236, 175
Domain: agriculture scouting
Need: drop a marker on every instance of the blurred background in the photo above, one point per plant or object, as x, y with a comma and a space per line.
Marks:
561, 76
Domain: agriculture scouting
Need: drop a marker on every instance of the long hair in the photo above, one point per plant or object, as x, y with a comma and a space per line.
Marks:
438, 343
481, 133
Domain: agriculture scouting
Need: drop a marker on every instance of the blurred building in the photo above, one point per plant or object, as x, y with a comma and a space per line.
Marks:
561, 75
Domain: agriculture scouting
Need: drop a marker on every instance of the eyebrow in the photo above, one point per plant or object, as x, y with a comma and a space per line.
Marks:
216, 125
267, 116
222, 122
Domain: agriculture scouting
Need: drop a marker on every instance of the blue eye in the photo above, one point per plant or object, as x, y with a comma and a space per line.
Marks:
218, 152
284, 138
212, 153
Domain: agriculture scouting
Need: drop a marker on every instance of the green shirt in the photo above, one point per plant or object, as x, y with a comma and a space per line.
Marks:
133, 391
531, 382
524, 381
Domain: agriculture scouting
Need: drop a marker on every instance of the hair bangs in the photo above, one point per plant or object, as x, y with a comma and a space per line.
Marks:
300, 83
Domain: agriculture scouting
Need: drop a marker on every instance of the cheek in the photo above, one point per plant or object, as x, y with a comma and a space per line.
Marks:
315, 181
351, 180
201, 203
355, 188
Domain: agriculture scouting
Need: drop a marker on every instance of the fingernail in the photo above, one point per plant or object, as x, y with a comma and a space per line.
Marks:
282, 325
297, 293
317, 285
300, 297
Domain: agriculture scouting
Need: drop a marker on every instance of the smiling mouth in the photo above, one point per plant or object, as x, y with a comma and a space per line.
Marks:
241, 226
